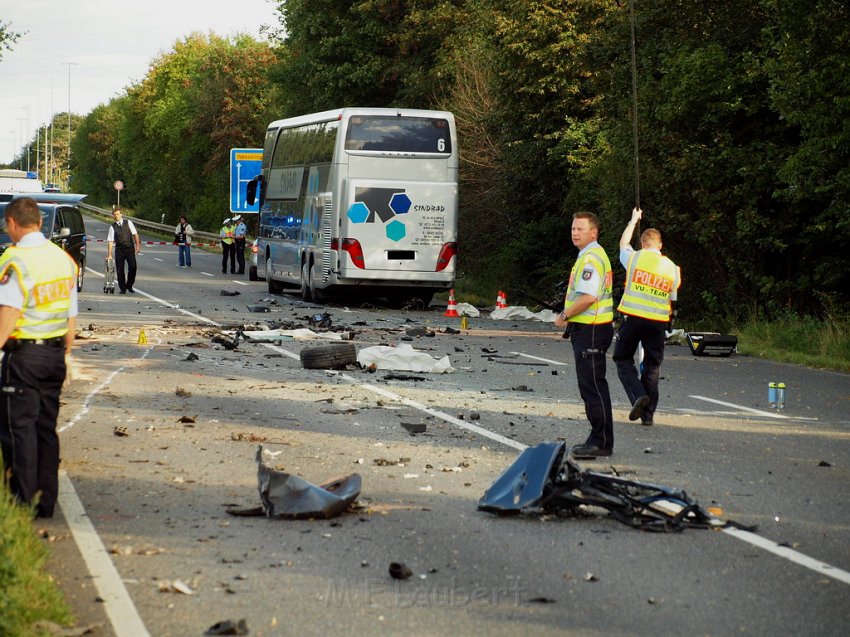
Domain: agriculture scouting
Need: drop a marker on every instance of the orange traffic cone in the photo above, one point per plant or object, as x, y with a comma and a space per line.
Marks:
501, 300
451, 308
504, 300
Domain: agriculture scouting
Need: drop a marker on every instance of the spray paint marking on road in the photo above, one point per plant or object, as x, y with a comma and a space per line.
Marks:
537, 358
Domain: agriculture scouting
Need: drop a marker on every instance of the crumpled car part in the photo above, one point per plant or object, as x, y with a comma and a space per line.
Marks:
284, 495
543, 479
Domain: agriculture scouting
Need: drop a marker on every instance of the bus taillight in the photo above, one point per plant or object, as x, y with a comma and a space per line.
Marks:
448, 251
352, 246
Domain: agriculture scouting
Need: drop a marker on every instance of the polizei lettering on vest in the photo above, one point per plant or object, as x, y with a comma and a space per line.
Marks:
652, 280
49, 292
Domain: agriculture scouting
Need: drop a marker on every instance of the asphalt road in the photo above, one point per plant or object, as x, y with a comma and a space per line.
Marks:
156, 498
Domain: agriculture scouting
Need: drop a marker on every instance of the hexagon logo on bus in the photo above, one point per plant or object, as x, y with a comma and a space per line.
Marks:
400, 203
358, 212
396, 230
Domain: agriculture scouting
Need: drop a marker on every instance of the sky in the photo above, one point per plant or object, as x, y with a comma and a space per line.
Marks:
107, 45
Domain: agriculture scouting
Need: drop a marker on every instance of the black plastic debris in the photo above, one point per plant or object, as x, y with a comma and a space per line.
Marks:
544, 480
258, 308
399, 570
227, 341
229, 293
320, 320
284, 495
419, 331
191, 357
228, 627
404, 377
415, 427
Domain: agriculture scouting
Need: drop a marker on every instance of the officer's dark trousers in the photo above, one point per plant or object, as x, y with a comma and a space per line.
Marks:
590, 343
32, 377
228, 253
125, 255
240, 255
636, 330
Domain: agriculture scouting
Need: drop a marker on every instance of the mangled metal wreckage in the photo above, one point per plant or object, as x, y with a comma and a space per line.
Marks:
544, 479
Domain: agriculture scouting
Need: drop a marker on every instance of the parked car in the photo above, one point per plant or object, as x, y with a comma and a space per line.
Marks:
61, 222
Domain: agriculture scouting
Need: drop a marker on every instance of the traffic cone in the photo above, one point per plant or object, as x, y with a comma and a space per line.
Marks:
504, 300
451, 308
498, 299
142, 338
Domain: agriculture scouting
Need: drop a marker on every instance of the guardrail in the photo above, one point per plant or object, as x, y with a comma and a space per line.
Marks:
214, 239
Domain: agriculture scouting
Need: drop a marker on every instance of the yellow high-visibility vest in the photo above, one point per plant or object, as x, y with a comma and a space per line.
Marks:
226, 234
602, 311
46, 275
651, 279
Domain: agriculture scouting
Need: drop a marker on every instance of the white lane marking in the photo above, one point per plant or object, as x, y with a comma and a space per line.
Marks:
238, 282
790, 554
760, 412
537, 358
123, 615
207, 273
178, 308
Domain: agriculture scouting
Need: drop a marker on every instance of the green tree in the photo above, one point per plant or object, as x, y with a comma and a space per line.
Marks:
7, 37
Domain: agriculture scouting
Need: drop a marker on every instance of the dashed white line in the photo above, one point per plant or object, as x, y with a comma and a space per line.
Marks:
760, 412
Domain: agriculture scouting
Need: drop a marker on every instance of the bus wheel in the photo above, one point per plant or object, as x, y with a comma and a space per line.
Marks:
336, 356
318, 295
274, 286
306, 290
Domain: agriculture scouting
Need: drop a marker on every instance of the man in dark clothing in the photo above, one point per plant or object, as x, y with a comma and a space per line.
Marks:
124, 240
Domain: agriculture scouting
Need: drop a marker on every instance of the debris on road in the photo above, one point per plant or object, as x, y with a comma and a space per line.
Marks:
516, 312
228, 627
414, 427
258, 308
399, 570
121, 431
543, 479
284, 495
320, 320
182, 393
175, 586
229, 293
336, 356
299, 334
402, 358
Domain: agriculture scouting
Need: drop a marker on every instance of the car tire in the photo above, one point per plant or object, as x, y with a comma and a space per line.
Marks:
335, 356
252, 273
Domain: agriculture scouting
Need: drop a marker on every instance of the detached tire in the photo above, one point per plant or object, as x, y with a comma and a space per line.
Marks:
336, 356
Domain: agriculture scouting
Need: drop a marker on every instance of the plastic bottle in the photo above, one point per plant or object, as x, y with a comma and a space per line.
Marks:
771, 395
780, 396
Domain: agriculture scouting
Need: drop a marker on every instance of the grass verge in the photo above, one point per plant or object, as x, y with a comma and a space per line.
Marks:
27, 593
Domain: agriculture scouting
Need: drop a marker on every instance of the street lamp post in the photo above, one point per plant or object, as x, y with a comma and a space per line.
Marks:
70, 64
21, 121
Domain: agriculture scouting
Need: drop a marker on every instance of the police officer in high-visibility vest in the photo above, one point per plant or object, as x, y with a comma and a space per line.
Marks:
651, 284
588, 313
38, 306
228, 246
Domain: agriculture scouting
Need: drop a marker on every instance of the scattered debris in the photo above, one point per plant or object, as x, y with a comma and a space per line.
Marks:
176, 586
46, 627
228, 627
543, 479
419, 331
399, 570
542, 600
415, 427
191, 357
188, 419
121, 431
336, 356
383, 462
320, 320
824, 463
284, 495
226, 340
228, 293
401, 376
515, 312
182, 393
258, 308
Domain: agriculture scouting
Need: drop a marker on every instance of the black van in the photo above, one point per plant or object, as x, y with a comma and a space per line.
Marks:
61, 222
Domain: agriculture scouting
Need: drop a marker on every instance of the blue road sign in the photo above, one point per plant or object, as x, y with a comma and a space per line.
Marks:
245, 164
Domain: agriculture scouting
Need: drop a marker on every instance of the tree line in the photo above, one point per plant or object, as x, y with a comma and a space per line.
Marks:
742, 121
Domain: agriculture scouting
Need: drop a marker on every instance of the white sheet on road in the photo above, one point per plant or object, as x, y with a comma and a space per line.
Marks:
303, 334
517, 312
403, 358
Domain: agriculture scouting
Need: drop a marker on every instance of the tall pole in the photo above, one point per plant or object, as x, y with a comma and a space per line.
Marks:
635, 104
12, 162
70, 64
29, 145
21, 121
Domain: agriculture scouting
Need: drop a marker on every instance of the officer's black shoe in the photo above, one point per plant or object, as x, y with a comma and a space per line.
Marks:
131, 290
647, 422
589, 452
123, 292
44, 512
637, 408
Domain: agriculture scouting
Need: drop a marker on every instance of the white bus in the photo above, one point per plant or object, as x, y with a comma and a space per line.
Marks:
359, 201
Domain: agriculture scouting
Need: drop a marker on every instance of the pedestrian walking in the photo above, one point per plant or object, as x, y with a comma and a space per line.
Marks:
652, 281
183, 233
588, 314
239, 233
123, 241
228, 246
38, 309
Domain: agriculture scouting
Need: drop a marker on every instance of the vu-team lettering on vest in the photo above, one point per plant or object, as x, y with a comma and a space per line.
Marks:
651, 279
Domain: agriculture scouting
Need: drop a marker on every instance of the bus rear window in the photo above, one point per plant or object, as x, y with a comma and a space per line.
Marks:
384, 133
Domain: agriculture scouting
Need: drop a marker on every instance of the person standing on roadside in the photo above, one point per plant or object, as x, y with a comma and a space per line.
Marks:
38, 309
239, 233
183, 235
123, 241
652, 281
588, 314
228, 247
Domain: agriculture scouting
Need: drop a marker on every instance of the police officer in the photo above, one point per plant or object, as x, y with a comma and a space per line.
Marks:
651, 284
239, 232
38, 306
123, 239
589, 312
228, 247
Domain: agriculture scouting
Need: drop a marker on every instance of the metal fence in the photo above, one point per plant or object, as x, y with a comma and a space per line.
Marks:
211, 238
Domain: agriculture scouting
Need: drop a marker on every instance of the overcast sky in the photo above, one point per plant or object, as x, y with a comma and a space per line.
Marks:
111, 44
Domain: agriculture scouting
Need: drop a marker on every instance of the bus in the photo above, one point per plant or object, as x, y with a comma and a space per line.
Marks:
359, 202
